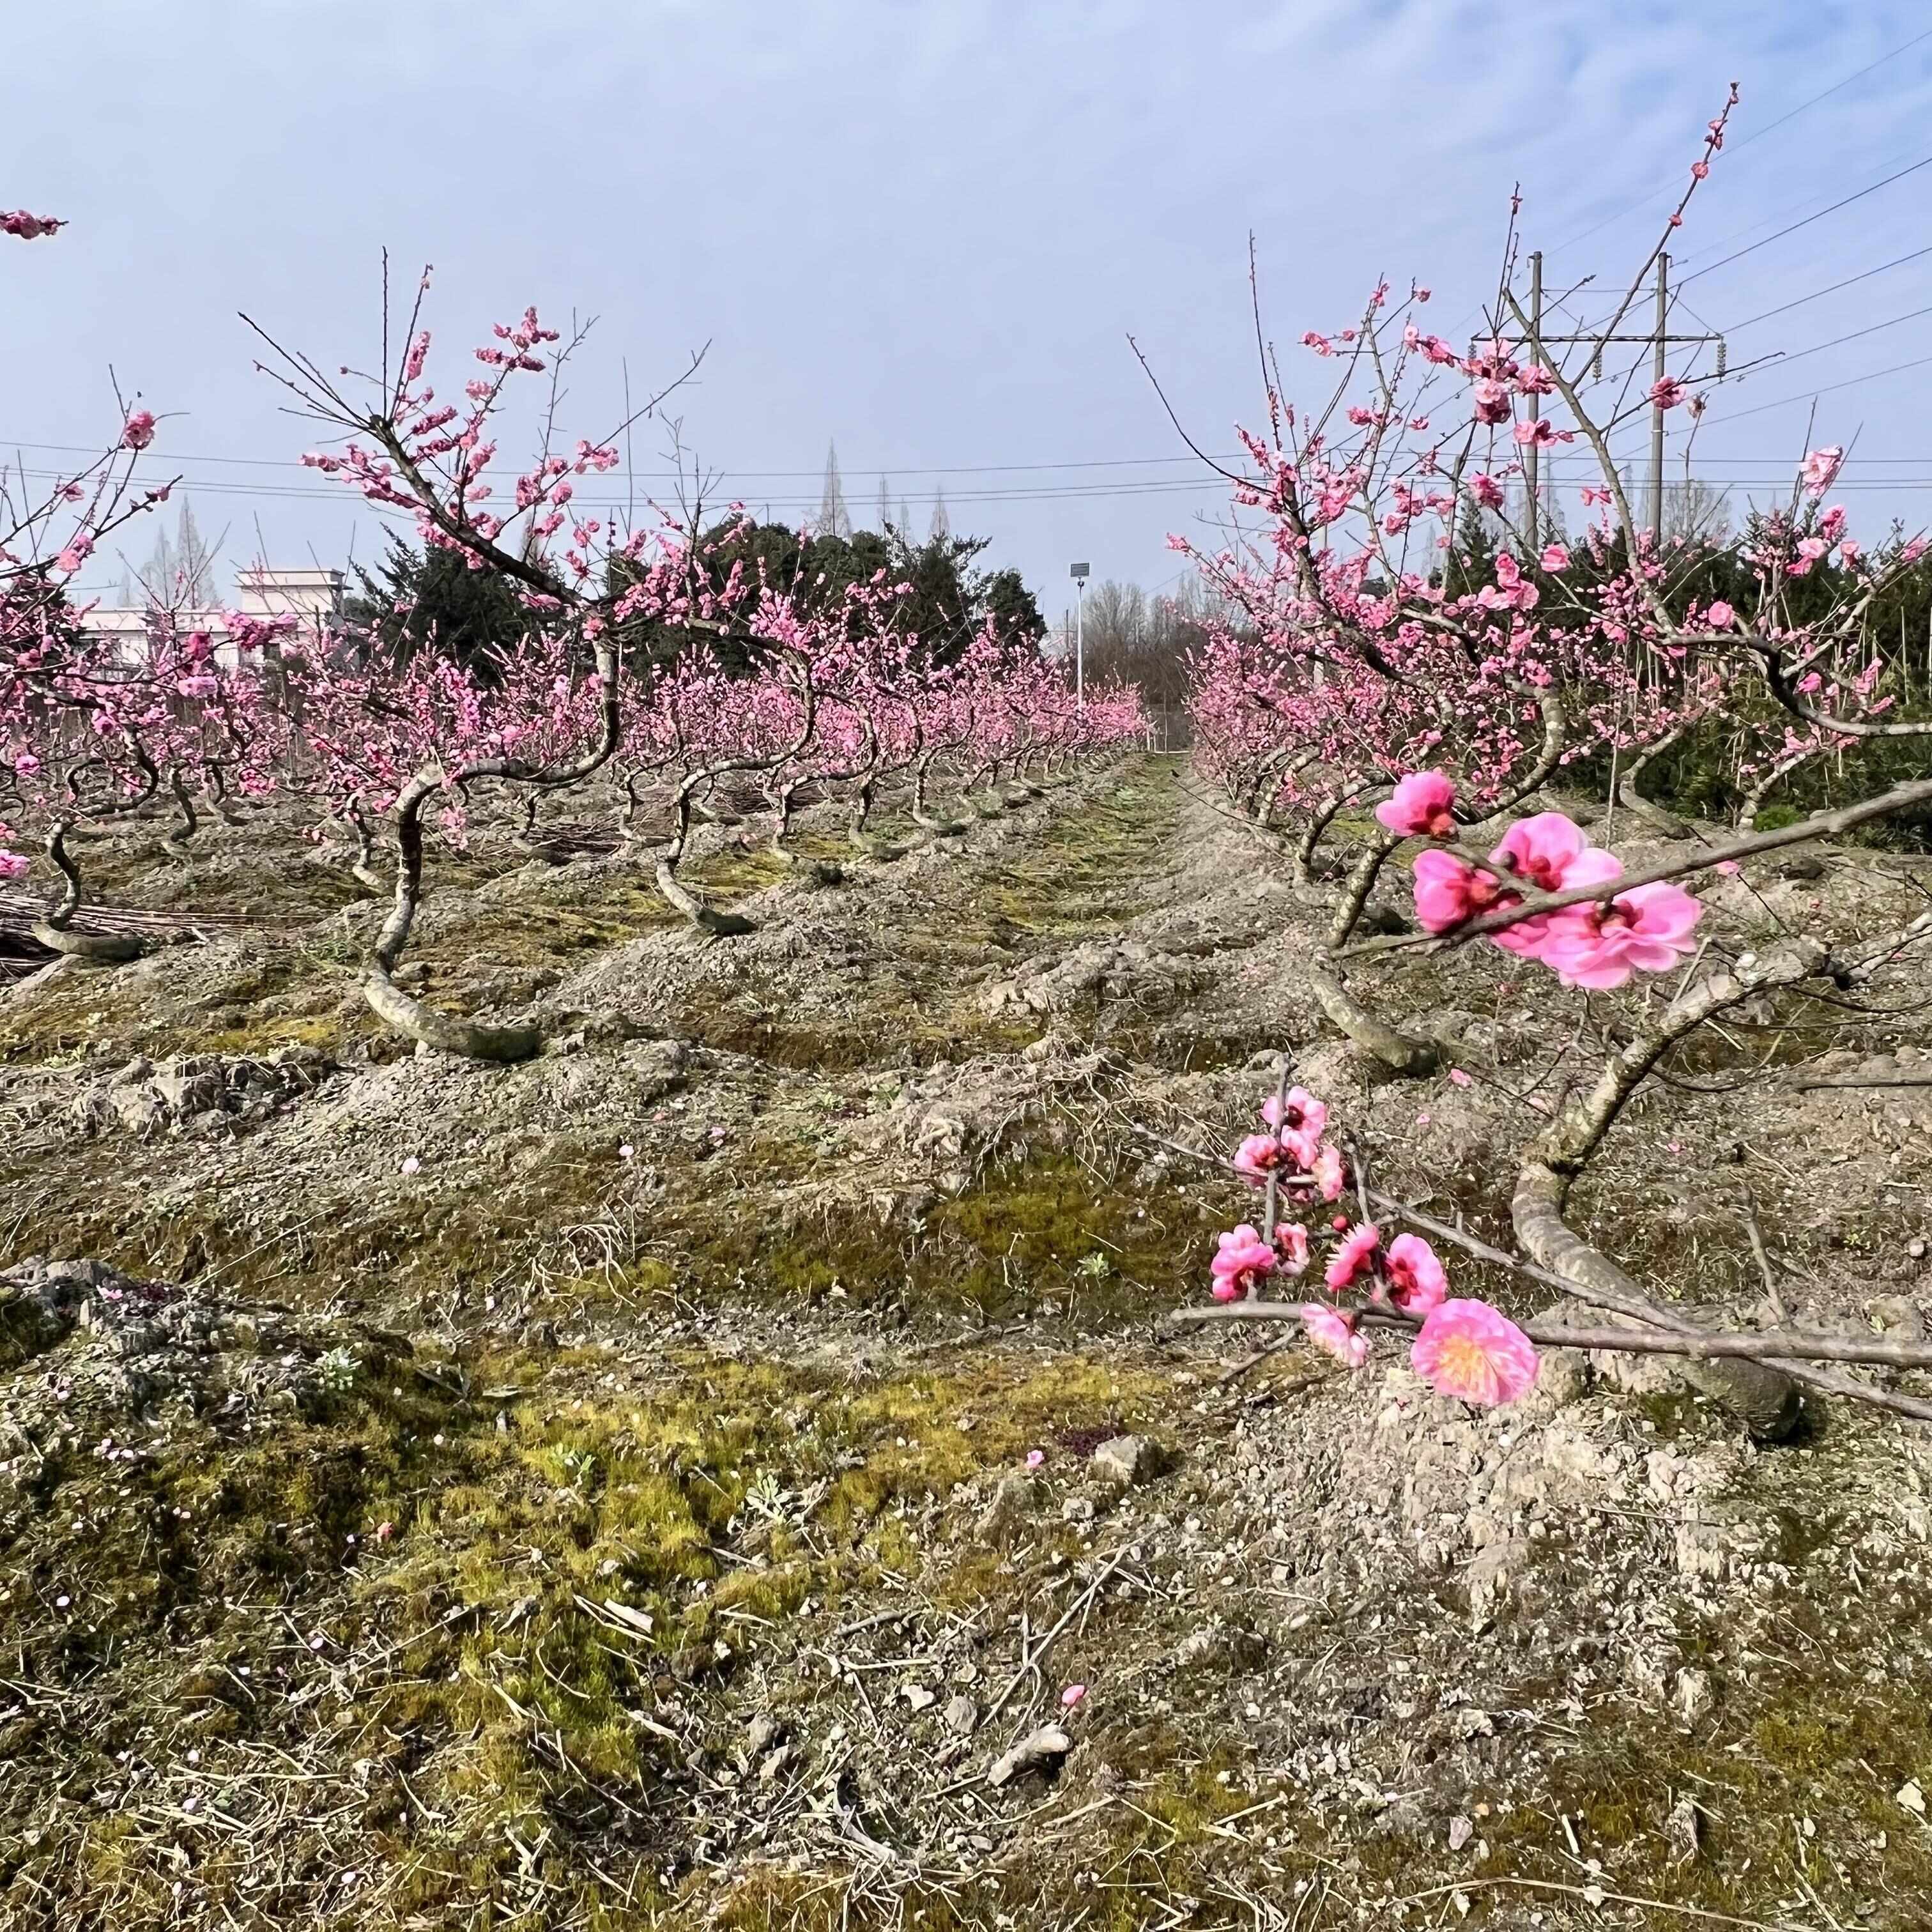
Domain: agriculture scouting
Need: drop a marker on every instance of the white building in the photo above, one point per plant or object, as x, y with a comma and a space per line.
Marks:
313, 596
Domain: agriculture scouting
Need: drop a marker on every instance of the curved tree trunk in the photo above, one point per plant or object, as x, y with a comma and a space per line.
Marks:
1763, 1396
939, 828
364, 868
1759, 1394
443, 1033
1324, 815
1388, 1046
1634, 802
706, 919
175, 840
1754, 798
98, 949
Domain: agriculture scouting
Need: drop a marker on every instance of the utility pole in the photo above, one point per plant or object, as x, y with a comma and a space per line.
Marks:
1079, 574
1658, 339
1656, 406
1533, 466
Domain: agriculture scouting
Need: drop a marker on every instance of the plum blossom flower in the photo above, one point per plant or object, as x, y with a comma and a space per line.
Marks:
1291, 1247
1487, 491
1297, 1111
1243, 1260
1720, 616
1492, 403
1457, 1077
138, 431
1449, 890
1328, 1175
1821, 470
1810, 552
1420, 808
1334, 1329
1647, 929
1469, 1350
1072, 1696
1551, 852
13, 866
28, 227
1539, 433
1354, 1256
1035, 1458
1417, 1280
1554, 558
1258, 1156
412, 1165
1667, 393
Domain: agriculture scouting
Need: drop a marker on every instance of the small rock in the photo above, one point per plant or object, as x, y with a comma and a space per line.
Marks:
918, 1696
1691, 1694
1910, 1795
1680, 1831
1461, 1830
1011, 1503
960, 1715
1042, 1751
1130, 1460
763, 1731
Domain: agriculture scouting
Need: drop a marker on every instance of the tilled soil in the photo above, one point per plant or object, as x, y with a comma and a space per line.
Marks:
675, 1481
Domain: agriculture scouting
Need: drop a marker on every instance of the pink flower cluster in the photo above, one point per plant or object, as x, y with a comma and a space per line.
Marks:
1462, 1348
28, 227
1597, 944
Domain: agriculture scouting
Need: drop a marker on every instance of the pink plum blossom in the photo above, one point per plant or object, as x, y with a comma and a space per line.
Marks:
1328, 1175
1257, 1157
1720, 616
1421, 807
1035, 1458
1646, 929
1550, 852
1244, 1259
138, 429
1449, 890
1417, 1282
1298, 1111
1821, 470
1467, 1350
13, 864
1667, 394
1354, 1256
1072, 1696
1554, 558
1291, 1247
1334, 1330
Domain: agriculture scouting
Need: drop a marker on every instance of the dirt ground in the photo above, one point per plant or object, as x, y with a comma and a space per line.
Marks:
596, 1493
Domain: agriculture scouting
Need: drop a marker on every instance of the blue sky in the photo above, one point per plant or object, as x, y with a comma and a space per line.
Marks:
926, 228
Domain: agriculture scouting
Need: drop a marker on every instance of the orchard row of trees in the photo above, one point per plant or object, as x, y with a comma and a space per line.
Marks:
643, 668
1363, 661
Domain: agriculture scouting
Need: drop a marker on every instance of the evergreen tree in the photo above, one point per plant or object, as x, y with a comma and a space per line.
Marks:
417, 600
834, 519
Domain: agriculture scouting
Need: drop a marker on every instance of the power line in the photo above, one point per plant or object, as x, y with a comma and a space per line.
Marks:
1831, 289
1818, 348
1851, 383
1676, 180
919, 469
1791, 228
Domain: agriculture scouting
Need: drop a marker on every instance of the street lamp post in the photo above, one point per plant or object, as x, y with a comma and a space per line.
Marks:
1079, 575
